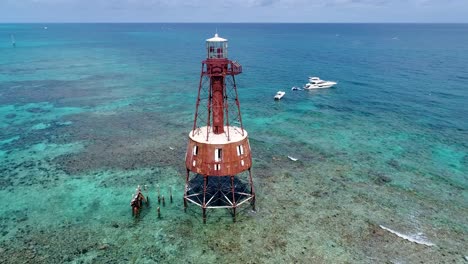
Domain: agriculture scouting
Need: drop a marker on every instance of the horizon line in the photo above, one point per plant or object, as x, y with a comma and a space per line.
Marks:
165, 22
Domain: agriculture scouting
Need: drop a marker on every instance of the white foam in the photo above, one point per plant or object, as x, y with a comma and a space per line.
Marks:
418, 238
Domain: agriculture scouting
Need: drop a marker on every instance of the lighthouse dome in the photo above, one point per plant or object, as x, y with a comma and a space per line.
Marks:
216, 38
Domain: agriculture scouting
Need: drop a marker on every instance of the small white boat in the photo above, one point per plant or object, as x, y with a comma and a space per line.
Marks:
293, 159
279, 95
295, 88
317, 83
13, 41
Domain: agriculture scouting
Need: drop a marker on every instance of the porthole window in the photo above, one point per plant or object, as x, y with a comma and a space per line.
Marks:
195, 150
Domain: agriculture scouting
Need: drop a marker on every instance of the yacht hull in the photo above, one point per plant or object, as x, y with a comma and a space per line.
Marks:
319, 86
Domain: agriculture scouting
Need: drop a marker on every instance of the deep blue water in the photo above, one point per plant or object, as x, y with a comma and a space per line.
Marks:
97, 99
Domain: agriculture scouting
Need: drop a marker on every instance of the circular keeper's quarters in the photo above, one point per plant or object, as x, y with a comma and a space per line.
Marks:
222, 154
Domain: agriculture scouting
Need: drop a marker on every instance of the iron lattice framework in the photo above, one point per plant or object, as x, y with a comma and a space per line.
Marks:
231, 106
220, 192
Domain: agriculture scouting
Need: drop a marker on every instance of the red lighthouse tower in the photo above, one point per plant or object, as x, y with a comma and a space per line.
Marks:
218, 158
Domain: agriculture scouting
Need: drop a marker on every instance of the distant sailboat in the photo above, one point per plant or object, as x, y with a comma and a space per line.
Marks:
13, 41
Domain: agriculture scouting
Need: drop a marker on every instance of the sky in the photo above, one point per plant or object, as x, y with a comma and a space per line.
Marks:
220, 11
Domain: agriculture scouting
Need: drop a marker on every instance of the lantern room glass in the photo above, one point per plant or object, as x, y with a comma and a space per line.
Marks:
217, 49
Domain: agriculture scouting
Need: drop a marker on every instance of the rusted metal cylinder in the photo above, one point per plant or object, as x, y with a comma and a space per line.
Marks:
218, 157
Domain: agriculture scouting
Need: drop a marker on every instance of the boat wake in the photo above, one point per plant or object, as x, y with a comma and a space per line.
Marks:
418, 238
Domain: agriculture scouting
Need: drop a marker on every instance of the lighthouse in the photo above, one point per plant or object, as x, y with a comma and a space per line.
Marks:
218, 158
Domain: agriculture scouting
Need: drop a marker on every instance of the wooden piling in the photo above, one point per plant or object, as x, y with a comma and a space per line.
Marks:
170, 194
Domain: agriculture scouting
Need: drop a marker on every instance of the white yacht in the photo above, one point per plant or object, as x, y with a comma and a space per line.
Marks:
279, 95
316, 83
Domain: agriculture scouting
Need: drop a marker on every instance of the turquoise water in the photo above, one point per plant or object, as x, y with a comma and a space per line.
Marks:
89, 111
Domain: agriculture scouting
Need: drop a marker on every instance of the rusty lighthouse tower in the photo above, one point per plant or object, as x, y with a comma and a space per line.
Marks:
218, 158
